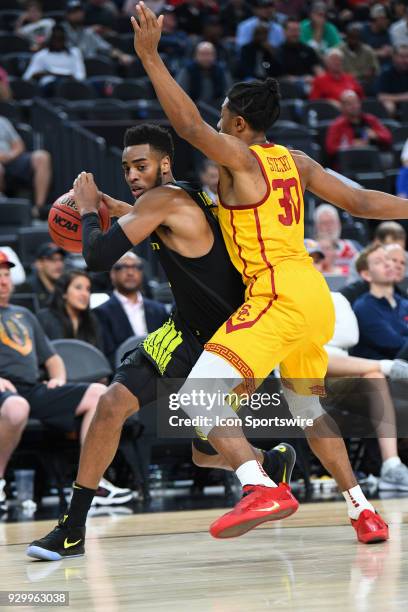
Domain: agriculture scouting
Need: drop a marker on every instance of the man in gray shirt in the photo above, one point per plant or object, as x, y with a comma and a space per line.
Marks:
67, 407
17, 165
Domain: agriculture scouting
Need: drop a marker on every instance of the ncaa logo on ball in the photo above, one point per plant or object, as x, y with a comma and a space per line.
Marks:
65, 223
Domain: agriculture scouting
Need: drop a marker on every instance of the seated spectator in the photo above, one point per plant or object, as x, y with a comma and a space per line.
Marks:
209, 177
258, 59
402, 178
85, 39
18, 274
372, 390
191, 15
127, 312
264, 11
213, 32
66, 407
317, 32
29, 168
100, 13
315, 252
299, 61
353, 128
48, 268
33, 26
55, 62
232, 14
5, 91
328, 265
399, 30
334, 81
393, 81
69, 314
359, 59
205, 79
376, 34
327, 226
173, 42
382, 313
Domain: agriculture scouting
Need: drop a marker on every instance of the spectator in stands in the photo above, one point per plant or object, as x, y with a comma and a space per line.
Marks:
299, 61
382, 313
56, 62
334, 81
372, 389
204, 78
48, 268
209, 177
376, 34
399, 30
232, 14
264, 11
315, 252
173, 42
191, 15
18, 274
100, 13
353, 128
317, 32
33, 26
17, 165
328, 265
359, 59
127, 312
5, 91
327, 226
67, 407
213, 32
393, 81
88, 41
69, 314
258, 59
402, 178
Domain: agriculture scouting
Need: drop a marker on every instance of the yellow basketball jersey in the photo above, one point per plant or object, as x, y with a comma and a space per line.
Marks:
261, 235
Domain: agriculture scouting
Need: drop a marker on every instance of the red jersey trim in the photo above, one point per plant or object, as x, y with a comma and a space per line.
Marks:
263, 253
266, 196
234, 238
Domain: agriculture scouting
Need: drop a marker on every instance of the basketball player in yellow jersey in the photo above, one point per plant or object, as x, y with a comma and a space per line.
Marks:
288, 315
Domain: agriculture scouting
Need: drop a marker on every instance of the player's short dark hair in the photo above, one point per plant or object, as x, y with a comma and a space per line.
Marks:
258, 102
148, 133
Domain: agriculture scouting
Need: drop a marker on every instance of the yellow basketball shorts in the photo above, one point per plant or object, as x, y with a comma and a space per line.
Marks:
287, 318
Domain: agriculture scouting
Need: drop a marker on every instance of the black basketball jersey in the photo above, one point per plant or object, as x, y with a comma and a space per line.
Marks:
208, 289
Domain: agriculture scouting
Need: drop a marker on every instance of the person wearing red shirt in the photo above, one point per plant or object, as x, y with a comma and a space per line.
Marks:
354, 128
334, 81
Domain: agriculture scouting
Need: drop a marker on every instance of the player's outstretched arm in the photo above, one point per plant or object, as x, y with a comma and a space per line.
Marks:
101, 251
364, 203
181, 111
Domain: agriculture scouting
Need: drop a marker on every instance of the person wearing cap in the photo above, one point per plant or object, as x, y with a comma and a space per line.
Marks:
264, 12
376, 34
317, 32
399, 30
89, 42
48, 267
66, 407
315, 252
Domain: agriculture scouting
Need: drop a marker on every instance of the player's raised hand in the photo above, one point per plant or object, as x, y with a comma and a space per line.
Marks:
87, 196
147, 28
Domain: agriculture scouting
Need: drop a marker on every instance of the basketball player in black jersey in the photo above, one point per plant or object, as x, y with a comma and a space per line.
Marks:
207, 289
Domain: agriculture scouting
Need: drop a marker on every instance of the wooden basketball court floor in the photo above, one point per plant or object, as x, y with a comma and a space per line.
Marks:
168, 562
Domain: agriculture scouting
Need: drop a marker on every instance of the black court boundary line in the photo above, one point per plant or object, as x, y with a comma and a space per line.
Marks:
143, 535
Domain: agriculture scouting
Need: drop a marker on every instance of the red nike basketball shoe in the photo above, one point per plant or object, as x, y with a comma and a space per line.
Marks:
370, 527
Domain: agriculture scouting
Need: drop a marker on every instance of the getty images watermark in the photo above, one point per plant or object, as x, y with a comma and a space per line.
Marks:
207, 406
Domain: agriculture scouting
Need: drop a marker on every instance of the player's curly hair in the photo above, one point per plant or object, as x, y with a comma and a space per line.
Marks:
148, 133
258, 102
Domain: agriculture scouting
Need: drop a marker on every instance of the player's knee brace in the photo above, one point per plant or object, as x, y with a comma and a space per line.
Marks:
306, 407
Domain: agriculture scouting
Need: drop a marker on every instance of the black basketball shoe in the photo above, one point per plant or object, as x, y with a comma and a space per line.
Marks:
60, 543
279, 462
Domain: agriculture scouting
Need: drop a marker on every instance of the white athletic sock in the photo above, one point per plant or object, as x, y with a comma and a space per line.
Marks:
390, 463
252, 472
356, 502
385, 366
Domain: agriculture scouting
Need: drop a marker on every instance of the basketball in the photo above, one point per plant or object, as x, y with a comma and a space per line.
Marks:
64, 223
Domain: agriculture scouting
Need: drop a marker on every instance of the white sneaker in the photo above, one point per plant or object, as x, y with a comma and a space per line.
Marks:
108, 495
394, 479
399, 370
3, 501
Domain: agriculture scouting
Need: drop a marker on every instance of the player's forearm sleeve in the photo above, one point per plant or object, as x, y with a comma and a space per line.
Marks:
99, 250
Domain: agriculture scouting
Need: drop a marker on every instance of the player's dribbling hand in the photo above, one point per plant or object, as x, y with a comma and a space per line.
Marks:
6, 385
147, 30
87, 196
